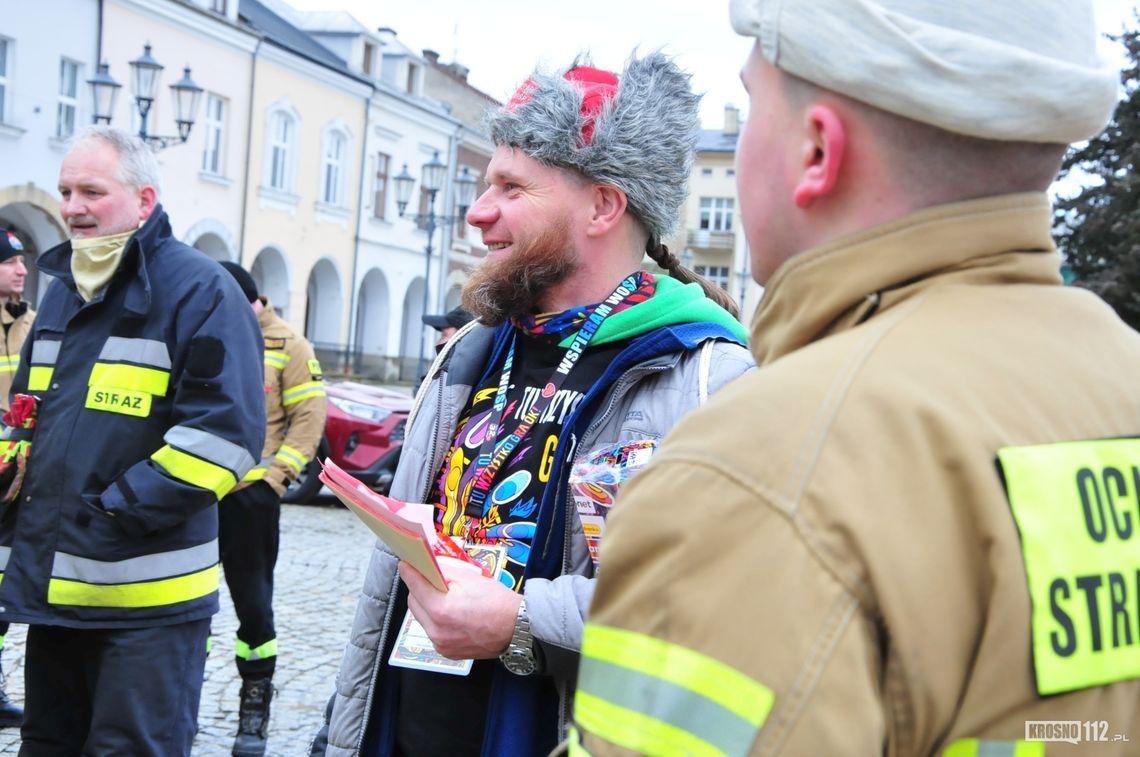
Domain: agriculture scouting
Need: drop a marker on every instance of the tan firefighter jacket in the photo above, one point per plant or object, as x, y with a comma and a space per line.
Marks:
294, 403
913, 530
15, 333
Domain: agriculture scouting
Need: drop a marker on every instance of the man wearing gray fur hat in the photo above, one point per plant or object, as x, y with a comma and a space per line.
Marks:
577, 357
932, 479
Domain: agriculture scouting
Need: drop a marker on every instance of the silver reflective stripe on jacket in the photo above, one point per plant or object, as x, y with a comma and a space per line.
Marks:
209, 447
145, 568
141, 351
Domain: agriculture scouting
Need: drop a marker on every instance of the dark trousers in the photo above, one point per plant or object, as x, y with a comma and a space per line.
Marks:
123, 691
248, 535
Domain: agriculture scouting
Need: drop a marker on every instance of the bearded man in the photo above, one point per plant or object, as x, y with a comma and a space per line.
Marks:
576, 355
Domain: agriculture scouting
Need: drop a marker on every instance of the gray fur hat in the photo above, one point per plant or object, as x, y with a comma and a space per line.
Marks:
636, 132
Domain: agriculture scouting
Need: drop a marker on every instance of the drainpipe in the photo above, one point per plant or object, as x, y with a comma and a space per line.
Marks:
99, 36
351, 342
248, 151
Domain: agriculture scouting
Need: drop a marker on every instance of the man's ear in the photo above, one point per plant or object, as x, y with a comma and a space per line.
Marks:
608, 209
148, 199
823, 155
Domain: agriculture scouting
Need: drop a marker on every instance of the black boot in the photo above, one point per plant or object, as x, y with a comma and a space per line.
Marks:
253, 717
11, 715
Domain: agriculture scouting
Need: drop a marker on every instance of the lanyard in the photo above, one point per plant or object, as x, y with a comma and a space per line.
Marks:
491, 455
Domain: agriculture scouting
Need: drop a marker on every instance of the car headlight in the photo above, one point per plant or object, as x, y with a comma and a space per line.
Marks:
360, 410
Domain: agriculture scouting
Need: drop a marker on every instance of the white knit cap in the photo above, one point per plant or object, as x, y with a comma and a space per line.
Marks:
1022, 70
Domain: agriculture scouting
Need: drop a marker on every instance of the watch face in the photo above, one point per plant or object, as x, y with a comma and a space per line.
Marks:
519, 662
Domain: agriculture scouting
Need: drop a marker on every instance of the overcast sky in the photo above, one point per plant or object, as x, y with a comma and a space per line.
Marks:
502, 41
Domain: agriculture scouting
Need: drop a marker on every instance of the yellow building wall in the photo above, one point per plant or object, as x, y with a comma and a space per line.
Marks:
301, 231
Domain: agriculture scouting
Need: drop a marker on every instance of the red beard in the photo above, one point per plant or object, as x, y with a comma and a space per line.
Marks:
499, 289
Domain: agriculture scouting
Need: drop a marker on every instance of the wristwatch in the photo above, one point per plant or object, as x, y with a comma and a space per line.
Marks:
519, 657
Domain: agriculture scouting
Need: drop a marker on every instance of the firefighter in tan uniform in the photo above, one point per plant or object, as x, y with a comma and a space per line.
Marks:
16, 316
914, 529
249, 516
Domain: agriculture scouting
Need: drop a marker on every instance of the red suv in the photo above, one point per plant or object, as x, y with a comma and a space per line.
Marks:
363, 434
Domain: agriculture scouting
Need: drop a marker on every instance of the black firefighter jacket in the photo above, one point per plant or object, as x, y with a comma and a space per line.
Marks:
151, 409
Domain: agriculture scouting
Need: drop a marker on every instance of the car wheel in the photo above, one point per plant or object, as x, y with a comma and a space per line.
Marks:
388, 465
306, 486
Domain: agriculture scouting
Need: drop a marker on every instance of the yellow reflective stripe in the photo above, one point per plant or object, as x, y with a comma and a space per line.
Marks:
292, 457
300, 392
979, 748
243, 651
574, 744
275, 359
650, 695
167, 591
39, 377
641, 733
194, 470
683, 667
255, 474
8, 363
133, 377
115, 400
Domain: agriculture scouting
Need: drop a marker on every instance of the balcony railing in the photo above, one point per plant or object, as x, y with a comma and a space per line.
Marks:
725, 240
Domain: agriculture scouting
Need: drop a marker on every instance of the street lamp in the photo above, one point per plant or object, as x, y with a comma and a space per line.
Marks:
432, 178
104, 91
145, 75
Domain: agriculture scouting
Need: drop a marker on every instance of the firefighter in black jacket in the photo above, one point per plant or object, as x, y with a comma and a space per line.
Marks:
145, 359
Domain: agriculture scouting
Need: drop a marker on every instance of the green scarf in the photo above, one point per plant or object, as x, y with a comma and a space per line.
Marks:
672, 303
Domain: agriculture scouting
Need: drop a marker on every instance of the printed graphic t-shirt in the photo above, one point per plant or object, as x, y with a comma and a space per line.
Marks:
510, 514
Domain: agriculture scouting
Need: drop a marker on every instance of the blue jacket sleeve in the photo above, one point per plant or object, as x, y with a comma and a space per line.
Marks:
217, 421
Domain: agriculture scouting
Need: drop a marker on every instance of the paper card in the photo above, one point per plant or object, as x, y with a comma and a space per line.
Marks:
493, 557
413, 649
405, 527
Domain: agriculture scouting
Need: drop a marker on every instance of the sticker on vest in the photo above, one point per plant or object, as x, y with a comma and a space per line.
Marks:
1076, 507
122, 401
595, 481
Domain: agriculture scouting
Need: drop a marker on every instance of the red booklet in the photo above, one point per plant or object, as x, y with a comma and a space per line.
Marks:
407, 528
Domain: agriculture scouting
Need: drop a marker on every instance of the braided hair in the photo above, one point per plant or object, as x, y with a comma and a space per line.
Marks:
661, 256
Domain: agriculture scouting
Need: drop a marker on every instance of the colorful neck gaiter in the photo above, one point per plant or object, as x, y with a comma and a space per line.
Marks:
555, 327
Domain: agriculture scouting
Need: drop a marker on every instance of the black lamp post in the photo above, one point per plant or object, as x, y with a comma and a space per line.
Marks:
145, 75
432, 179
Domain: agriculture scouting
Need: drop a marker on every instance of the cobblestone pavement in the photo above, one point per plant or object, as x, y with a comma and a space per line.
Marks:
320, 568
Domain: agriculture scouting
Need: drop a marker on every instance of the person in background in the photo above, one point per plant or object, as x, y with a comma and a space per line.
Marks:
577, 350
447, 324
915, 524
249, 517
16, 315
144, 361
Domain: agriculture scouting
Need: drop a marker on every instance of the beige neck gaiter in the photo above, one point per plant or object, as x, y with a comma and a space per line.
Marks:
94, 261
